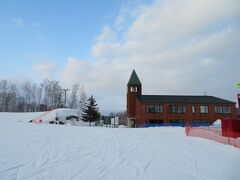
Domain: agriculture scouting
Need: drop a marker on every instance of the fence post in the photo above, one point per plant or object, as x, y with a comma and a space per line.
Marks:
187, 130
228, 136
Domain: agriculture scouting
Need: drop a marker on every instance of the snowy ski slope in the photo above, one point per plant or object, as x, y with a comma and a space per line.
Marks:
43, 151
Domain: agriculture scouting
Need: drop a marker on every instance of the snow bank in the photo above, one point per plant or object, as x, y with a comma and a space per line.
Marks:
217, 124
43, 151
61, 115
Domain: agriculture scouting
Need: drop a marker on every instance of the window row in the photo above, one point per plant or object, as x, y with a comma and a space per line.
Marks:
180, 122
177, 109
154, 108
176, 121
194, 121
181, 109
222, 109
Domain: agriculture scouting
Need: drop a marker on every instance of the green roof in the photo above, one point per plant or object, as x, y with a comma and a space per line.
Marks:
134, 80
183, 99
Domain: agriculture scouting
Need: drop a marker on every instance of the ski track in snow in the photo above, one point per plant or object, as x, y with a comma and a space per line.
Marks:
32, 151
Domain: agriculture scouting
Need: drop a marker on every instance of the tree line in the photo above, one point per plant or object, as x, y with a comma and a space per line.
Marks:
32, 97
48, 95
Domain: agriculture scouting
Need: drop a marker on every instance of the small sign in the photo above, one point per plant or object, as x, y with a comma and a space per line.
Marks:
112, 121
116, 120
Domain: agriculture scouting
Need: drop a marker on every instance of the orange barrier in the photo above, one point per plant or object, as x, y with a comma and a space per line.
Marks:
214, 134
38, 120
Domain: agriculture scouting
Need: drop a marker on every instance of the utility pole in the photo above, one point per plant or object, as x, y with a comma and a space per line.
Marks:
65, 98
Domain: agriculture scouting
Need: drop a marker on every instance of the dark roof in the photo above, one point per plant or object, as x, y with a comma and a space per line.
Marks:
183, 99
134, 80
71, 117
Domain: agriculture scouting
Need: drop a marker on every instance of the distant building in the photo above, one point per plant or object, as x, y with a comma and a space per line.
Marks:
238, 112
157, 110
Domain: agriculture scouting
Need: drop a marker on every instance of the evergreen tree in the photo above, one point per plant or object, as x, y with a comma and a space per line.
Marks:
90, 111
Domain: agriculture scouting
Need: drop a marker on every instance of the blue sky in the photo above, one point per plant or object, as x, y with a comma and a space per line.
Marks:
37, 30
176, 47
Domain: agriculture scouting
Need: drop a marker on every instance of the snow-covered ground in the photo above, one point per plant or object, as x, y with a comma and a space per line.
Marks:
217, 124
44, 151
61, 115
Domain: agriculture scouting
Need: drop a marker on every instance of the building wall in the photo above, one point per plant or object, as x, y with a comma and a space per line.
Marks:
131, 99
142, 117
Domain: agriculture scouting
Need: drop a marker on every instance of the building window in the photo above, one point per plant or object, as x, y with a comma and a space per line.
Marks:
177, 109
158, 108
195, 121
134, 89
218, 109
150, 109
226, 109
155, 121
204, 121
193, 110
154, 108
200, 121
203, 109
222, 109
176, 121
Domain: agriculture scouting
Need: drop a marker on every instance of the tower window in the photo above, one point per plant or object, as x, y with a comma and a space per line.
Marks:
134, 89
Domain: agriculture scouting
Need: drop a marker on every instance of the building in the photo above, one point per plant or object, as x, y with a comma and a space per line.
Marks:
238, 112
159, 110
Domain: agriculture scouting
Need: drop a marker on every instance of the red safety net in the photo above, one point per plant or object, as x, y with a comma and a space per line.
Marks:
214, 134
39, 120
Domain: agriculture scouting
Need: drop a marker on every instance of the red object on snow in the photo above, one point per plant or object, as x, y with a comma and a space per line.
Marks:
231, 127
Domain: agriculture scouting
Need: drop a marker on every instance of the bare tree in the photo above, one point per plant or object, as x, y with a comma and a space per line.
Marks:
46, 88
20, 104
13, 97
27, 96
39, 94
4, 95
73, 101
55, 94
3, 91
82, 99
33, 97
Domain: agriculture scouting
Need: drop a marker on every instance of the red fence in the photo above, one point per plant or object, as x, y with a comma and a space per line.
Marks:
39, 120
231, 127
214, 134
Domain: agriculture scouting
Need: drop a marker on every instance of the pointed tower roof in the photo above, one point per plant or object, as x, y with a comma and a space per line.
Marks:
134, 79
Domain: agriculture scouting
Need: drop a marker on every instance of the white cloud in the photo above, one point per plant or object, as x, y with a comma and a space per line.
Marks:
19, 22
176, 47
125, 15
75, 71
106, 35
46, 70
99, 78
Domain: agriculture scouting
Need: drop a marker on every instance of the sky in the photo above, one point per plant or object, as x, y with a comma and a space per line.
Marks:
177, 47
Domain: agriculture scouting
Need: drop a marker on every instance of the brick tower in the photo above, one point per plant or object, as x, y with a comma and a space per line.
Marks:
134, 89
